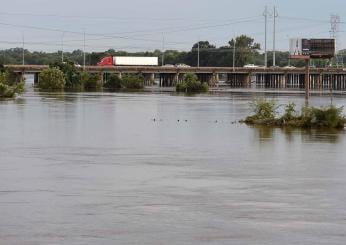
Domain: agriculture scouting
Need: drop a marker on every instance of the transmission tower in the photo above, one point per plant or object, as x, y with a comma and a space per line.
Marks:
334, 33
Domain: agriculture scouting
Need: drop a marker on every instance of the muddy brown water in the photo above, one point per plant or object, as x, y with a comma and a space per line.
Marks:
157, 168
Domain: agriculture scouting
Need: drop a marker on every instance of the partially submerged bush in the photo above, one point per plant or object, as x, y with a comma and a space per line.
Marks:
91, 81
264, 109
7, 91
71, 74
10, 84
51, 78
191, 84
113, 82
132, 81
328, 117
290, 112
310, 117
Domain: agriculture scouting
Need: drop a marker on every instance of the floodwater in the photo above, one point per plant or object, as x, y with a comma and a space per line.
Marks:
119, 168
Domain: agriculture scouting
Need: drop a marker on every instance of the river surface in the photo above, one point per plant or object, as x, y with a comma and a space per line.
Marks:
157, 168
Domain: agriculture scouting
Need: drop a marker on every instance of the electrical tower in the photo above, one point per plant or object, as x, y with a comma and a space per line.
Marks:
265, 14
334, 33
275, 15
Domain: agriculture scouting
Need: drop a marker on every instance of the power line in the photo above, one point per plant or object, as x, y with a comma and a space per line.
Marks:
166, 31
105, 17
118, 37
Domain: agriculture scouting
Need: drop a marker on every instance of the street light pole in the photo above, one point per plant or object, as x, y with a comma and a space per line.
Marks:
163, 50
198, 54
234, 42
84, 53
62, 47
23, 52
307, 80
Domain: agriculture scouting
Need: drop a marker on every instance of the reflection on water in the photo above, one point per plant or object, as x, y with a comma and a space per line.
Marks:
120, 168
264, 133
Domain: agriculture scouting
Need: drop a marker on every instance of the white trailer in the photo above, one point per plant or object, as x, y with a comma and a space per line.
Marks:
135, 61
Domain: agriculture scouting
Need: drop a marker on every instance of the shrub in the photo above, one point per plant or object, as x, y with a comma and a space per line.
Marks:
191, 84
264, 110
310, 117
7, 91
10, 84
71, 73
290, 112
51, 78
90, 81
132, 82
330, 117
113, 82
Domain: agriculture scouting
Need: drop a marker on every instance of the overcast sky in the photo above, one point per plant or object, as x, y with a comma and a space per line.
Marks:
143, 24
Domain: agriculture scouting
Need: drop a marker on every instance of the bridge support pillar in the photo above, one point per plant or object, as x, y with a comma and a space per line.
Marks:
149, 79
284, 81
247, 80
215, 79
36, 78
176, 79
167, 80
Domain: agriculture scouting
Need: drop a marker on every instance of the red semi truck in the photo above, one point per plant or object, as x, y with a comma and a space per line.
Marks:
128, 61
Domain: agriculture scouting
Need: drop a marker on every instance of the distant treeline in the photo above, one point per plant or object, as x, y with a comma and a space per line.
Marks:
246, 52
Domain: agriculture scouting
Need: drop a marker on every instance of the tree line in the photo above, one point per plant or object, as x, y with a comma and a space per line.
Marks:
247, 51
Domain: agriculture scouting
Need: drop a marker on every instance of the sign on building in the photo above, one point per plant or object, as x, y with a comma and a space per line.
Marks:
312, 48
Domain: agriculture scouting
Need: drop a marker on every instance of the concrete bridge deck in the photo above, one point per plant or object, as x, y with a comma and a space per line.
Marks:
239, 77
172, 70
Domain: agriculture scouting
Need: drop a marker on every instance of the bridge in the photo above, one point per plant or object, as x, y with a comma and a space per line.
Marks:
239, 77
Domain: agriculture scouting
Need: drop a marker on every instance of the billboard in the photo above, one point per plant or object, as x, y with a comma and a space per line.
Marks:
312, 48
296, 47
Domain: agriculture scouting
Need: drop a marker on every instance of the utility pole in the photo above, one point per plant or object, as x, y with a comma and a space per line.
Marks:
198, 54
84, 53
62, 47
234, 42
334, 33
163, 50
275, 15
265, 14
23, 52
307, 81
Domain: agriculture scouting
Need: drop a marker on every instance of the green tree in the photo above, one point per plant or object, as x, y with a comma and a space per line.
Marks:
206, 54
51, 78
246, 49
71, 73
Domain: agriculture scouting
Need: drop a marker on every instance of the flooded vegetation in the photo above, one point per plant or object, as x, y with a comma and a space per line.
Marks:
265, 113
190, 84
10, 84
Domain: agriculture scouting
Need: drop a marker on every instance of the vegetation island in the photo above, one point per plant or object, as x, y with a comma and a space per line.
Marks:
266, 114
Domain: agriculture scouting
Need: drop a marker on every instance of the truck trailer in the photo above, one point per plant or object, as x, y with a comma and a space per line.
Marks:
128, 61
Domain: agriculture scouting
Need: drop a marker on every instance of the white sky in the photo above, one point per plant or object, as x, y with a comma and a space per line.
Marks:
138, 25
